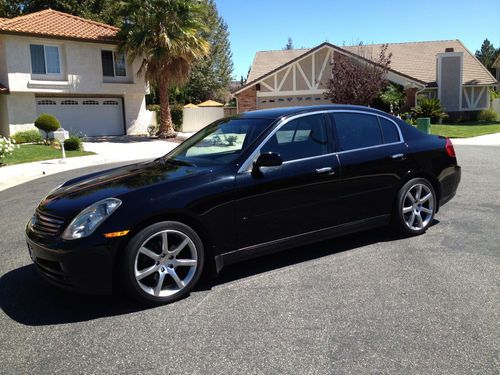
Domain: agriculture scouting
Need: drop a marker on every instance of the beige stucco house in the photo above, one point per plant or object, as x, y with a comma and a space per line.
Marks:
53, 62
440, 69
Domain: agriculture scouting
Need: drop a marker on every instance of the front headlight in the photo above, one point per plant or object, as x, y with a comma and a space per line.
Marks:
90, 218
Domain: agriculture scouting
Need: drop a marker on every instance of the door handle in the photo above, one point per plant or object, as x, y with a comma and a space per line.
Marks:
398, 156
328, 170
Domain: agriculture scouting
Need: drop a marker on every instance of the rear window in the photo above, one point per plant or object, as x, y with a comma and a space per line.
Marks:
389, 131
356, 130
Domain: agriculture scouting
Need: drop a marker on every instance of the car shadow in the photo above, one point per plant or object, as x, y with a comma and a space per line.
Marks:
29, 300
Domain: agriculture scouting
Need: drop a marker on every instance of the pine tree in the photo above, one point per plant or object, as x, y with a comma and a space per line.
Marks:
210, 77
487, 55
289, 44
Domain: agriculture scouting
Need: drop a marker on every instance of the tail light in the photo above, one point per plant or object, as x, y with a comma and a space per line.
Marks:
450, 150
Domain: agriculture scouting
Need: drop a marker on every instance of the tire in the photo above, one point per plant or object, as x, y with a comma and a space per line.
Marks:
415, 207
154, 273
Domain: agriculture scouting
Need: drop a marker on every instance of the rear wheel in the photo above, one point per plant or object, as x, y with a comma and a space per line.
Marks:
162, 263
416, 206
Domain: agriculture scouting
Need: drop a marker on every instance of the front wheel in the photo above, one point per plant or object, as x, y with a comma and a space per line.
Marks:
416, 206
162, 263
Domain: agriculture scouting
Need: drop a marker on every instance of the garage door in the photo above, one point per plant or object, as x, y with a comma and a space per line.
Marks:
85, 116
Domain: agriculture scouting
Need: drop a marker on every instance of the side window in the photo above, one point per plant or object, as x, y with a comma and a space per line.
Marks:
356, 130
300, 138
389, 131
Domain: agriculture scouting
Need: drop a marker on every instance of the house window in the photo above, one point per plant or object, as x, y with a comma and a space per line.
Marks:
113, 64
45, 59
90, 102
69, 102
46, 102
110, 102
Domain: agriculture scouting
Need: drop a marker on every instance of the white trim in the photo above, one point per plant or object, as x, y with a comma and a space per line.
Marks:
264, 94
304, 76
267, 86
322, 68
284, 77
294, 67
467, 100
313, 70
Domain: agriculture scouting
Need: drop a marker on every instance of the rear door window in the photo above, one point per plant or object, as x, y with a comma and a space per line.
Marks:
389, 131
357, 130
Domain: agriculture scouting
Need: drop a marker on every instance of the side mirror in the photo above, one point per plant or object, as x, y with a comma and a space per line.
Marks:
268, 159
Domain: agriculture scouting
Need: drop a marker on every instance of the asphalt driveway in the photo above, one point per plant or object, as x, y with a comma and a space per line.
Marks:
365, 303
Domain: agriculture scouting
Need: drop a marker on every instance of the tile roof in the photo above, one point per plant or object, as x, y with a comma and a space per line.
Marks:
414, 59
51, 23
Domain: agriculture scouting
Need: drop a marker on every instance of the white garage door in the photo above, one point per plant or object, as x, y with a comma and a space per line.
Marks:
85, 116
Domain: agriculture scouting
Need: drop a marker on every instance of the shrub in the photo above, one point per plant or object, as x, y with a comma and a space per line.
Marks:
73, 144
176, 112
47, 123
7, 146
28, 136
430, 108
488, 115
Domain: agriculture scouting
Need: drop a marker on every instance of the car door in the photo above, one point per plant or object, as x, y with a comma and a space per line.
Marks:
372, 161
297, 197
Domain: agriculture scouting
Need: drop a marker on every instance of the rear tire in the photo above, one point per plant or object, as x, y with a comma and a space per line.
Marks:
162, 263
415, 207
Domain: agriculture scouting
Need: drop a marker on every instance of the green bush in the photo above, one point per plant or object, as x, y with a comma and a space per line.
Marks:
47, 123
28, 136
430, 108
488, 115
73, 144
176, 112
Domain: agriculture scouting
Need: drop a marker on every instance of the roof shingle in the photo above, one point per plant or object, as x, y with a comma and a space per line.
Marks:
414, 59
51, 23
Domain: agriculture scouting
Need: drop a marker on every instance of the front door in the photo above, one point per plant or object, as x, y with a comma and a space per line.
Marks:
297, 197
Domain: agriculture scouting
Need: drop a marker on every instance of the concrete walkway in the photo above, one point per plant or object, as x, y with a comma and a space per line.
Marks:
108, 151
482, 140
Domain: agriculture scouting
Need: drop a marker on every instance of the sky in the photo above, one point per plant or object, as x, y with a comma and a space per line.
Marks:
260, 25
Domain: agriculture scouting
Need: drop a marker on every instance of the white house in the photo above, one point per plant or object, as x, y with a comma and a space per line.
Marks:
53, 62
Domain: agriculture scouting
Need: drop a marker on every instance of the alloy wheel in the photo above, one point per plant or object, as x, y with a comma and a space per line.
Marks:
418, 206
165, 263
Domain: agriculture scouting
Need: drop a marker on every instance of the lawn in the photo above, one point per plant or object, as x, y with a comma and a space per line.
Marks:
466, 130
29, 153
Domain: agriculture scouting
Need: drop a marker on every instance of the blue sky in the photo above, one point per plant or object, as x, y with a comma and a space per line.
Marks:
257, 25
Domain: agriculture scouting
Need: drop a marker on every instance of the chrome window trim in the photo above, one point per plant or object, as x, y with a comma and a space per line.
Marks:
246, 166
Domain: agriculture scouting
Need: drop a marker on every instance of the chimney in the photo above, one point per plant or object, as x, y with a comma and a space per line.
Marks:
449, 79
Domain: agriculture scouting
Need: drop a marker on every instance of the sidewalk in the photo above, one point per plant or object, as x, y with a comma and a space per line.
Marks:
482, 140
107, 152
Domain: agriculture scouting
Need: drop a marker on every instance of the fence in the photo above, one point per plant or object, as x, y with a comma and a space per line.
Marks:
196, 118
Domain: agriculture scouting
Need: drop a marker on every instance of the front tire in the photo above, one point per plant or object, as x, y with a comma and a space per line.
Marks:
415, 207
162, 263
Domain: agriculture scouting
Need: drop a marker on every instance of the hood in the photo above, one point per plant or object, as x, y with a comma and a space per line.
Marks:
79, 193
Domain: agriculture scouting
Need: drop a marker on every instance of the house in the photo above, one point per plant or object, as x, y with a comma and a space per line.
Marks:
440, 69
56, 63
496, 65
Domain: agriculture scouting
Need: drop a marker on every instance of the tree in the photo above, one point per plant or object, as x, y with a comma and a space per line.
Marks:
358, 80
289, 44
393, 96
487, 55
166, 36
97, 10
210, 77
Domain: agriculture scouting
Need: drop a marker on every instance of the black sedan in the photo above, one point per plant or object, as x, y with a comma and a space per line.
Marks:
243, 186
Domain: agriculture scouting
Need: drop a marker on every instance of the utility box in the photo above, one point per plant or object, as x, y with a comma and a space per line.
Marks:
424, 124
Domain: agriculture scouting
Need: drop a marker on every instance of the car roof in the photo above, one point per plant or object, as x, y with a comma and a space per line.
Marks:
276, 113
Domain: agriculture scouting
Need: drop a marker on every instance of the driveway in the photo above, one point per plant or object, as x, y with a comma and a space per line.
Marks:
366, 303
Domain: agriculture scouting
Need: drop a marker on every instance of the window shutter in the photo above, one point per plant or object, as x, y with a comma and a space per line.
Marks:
37, 59
107, 63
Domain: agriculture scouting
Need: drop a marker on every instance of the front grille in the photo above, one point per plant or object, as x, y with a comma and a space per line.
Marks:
45, 224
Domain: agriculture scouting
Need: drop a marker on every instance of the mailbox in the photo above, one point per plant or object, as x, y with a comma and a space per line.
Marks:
61, 135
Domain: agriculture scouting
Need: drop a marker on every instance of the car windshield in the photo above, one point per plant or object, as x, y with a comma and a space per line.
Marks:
219, 143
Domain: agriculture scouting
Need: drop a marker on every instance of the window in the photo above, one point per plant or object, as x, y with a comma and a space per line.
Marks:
389, 131
356, 130
45, 59
69, 102
46, 102
90, 102
113, 64
110, 102
300, 138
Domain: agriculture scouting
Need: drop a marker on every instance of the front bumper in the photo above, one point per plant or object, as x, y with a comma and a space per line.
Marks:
86, 267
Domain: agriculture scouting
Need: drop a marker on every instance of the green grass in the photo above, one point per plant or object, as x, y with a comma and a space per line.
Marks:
29, 153
466, 130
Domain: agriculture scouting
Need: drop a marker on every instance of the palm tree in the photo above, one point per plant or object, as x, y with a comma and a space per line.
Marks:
166, 36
